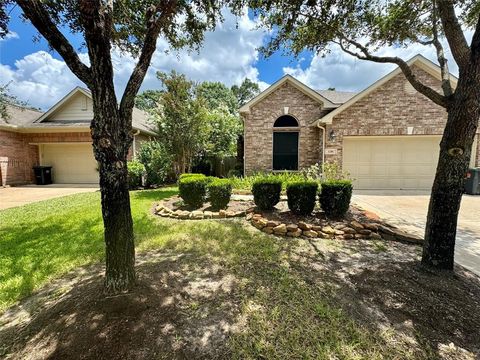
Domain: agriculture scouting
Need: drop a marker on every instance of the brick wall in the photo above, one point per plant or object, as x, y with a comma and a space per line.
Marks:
259, 128
17, 158
390, 110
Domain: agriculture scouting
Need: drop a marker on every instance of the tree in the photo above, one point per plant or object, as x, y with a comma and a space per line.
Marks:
246, 91
181, 120
361, 27
148, 99
223, 131
6, 99
216, 95
131, 27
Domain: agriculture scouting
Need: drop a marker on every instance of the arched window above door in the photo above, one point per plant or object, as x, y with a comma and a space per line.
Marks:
285, 121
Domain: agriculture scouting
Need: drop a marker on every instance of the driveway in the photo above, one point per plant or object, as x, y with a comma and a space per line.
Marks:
408, 211
21, 195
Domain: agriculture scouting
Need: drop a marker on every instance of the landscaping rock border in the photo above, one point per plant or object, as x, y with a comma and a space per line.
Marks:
340, 229
164, 211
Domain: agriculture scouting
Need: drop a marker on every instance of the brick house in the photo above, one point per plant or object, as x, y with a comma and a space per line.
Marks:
59, 137
386, 136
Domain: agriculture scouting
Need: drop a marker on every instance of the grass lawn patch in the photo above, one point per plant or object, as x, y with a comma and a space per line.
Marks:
223, 290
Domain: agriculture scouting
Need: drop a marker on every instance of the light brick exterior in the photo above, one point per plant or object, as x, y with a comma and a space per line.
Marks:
258, 155
388, 110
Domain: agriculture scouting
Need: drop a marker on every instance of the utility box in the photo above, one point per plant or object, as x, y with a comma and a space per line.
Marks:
43, 175
472, 182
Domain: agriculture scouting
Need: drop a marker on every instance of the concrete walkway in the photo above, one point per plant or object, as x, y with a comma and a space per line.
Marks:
408, 211
21, 195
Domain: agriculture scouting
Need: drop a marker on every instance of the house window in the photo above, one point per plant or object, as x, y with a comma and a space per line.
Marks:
286, 121
285, 143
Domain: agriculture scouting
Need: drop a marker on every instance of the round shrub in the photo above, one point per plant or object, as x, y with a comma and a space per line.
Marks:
219, 192
135, 172
193, 190
266, 192
188, 175
335, 196
301, 196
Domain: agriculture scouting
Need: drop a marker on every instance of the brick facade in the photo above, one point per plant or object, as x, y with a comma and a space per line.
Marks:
394, 108
390, 110
258, 155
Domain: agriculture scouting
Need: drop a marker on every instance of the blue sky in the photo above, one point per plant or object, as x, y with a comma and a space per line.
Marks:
229, 54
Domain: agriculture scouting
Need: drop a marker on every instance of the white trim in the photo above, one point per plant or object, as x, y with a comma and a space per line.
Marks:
418, 60
297, 84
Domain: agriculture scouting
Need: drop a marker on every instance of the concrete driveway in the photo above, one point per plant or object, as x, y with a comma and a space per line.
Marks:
21, 195
408, 211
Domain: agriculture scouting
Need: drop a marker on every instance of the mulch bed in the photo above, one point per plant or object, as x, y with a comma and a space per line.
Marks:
176, 203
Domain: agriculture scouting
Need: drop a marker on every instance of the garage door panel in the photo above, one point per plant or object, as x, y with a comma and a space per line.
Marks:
71, 163
391, 162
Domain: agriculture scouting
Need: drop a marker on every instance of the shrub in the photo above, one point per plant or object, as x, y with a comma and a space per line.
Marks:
219, 192
335, 196
266, 192
301, 196
234, 173
188, 175
246, 182
157, 162
193, 190
135, 173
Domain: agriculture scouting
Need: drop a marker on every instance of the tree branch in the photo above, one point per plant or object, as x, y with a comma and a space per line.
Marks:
454, 33
432, 94
475, 45
159, 16
34, 10
442, 61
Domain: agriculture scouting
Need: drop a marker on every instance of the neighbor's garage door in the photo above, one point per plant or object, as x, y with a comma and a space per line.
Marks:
72, 163
392, 162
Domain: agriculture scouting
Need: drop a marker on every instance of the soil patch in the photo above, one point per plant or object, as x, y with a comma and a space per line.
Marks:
176, 203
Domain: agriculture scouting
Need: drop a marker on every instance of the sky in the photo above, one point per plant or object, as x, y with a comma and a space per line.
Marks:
230, 53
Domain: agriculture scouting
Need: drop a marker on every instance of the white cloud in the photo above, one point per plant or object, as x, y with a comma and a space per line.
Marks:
10, 35
347, 73
228, 55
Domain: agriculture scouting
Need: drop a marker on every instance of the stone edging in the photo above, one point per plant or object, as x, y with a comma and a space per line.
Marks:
341, 230
163, 211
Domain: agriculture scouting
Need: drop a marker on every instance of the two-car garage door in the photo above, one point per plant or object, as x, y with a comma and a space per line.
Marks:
391, 162
72, 163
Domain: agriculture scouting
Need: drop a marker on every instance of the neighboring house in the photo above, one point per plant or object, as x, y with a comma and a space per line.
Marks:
386, 137
59, 137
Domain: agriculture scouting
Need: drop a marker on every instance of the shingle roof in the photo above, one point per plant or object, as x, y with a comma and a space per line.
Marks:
337, 97
20, 116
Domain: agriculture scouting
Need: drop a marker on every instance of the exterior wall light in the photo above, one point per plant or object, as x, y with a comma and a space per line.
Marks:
332, 136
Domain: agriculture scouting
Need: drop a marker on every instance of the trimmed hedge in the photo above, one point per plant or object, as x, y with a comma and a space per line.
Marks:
301, 196
219, 193
335, 196
188, 175
193, 189
266, 192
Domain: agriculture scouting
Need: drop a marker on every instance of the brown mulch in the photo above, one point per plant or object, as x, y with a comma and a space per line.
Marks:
176, 203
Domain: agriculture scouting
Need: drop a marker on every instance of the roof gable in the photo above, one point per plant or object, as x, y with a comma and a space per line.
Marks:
76, 94
418, 60
295, 83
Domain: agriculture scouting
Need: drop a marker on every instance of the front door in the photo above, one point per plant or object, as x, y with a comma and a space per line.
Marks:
285, 151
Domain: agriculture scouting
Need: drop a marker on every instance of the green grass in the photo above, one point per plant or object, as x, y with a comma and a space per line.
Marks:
285, 315
246, 182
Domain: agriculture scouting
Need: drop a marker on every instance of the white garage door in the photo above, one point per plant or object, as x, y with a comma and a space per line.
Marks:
72, 163
392, 162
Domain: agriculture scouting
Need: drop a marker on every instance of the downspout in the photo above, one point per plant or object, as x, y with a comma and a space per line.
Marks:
324, 132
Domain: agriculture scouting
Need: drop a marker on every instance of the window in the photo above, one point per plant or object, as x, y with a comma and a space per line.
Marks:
285, 150
285, 121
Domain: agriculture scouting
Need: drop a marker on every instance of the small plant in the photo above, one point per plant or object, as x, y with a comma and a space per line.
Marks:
301, 196
234, 173
332, 171
193, 190
136, 170
335, 196
219, 192
266, 192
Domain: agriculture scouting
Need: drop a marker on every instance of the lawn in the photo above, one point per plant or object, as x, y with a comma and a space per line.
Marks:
221, 289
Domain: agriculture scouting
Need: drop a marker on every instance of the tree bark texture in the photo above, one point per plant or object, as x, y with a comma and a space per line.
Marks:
455, 152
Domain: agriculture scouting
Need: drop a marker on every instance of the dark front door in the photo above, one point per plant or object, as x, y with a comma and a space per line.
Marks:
285, 151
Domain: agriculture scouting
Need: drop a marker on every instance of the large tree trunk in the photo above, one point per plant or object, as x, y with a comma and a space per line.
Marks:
455, 153
111, 143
